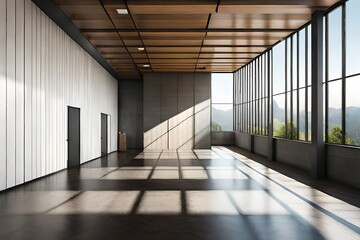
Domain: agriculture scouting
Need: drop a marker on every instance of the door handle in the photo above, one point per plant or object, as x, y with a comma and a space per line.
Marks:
68, 140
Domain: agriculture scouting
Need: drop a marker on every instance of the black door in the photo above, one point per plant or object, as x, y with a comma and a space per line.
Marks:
73, 137
104, 135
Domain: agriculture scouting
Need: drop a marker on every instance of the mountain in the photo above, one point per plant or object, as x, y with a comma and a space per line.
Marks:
223, 118
352, 120
352, 117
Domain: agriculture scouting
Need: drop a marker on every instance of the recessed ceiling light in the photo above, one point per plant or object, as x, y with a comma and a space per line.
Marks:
122, 11
141, 48
146, 65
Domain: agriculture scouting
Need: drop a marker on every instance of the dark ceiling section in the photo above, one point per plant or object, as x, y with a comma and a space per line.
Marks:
186, 35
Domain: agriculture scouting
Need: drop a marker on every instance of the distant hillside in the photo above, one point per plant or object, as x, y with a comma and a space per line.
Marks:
223, 118
352, 120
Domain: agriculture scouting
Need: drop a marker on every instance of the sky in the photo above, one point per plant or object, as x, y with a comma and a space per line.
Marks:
222, 87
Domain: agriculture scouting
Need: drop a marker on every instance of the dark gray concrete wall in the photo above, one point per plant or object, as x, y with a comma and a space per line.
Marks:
202, 91
222, 138
293, 153
243, 140
131, 112
177, 110
343, 164
252, 143
260, 145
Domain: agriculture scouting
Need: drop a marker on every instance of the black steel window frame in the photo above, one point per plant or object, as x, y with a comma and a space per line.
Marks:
251, 83
225, 103
343, 77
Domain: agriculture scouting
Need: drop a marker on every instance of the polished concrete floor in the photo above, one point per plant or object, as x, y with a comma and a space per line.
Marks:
220, 194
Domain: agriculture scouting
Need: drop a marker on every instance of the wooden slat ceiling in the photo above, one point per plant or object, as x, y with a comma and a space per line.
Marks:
186, 35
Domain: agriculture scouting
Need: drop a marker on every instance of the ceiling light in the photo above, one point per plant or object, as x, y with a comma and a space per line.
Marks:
146, 65
122, 11
141, 48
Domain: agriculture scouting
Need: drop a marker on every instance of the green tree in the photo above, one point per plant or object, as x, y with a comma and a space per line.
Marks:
216, 127
335, 136
291, 132
259, 131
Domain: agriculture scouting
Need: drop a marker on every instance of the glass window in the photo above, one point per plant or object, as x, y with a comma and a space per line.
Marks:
279, 116
279, 68
302, 114
222, 102
294, 62
294, 124
222, 87
302, 62
352, 111
288, 63
309, 55
335, 44
222, 117
334, 112
352, 37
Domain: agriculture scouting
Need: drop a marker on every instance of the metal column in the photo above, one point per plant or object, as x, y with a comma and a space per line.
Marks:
318, 167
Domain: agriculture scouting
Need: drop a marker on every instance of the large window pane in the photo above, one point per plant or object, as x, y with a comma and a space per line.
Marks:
222, 117
288, 108
222, 87
352, 37
278, 68
334, 112
309, 55
335, 44
302, 115
266, 117
288, 64
222, 102
294, 124
352, 111
279, 116
294, 61
302, 52
247, 109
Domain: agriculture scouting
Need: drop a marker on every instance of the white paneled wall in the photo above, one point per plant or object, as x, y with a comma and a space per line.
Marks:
42, 72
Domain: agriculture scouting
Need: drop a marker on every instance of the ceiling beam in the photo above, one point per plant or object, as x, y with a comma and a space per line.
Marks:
122, 40
185, 46
191, 30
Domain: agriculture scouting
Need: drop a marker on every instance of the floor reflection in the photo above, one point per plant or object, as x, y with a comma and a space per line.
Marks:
200, 194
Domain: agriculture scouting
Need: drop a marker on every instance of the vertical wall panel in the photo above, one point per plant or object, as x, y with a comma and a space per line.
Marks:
19, 99
42, 72
37, 93
28, 93
177, 110
42, 87
3, 94
169, 96
185, 91
202, 110
10, 94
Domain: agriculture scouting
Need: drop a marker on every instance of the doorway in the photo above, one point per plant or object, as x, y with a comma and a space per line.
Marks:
73, 137
104, 134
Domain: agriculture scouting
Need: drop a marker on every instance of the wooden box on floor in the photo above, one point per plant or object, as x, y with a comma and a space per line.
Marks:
122, 142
